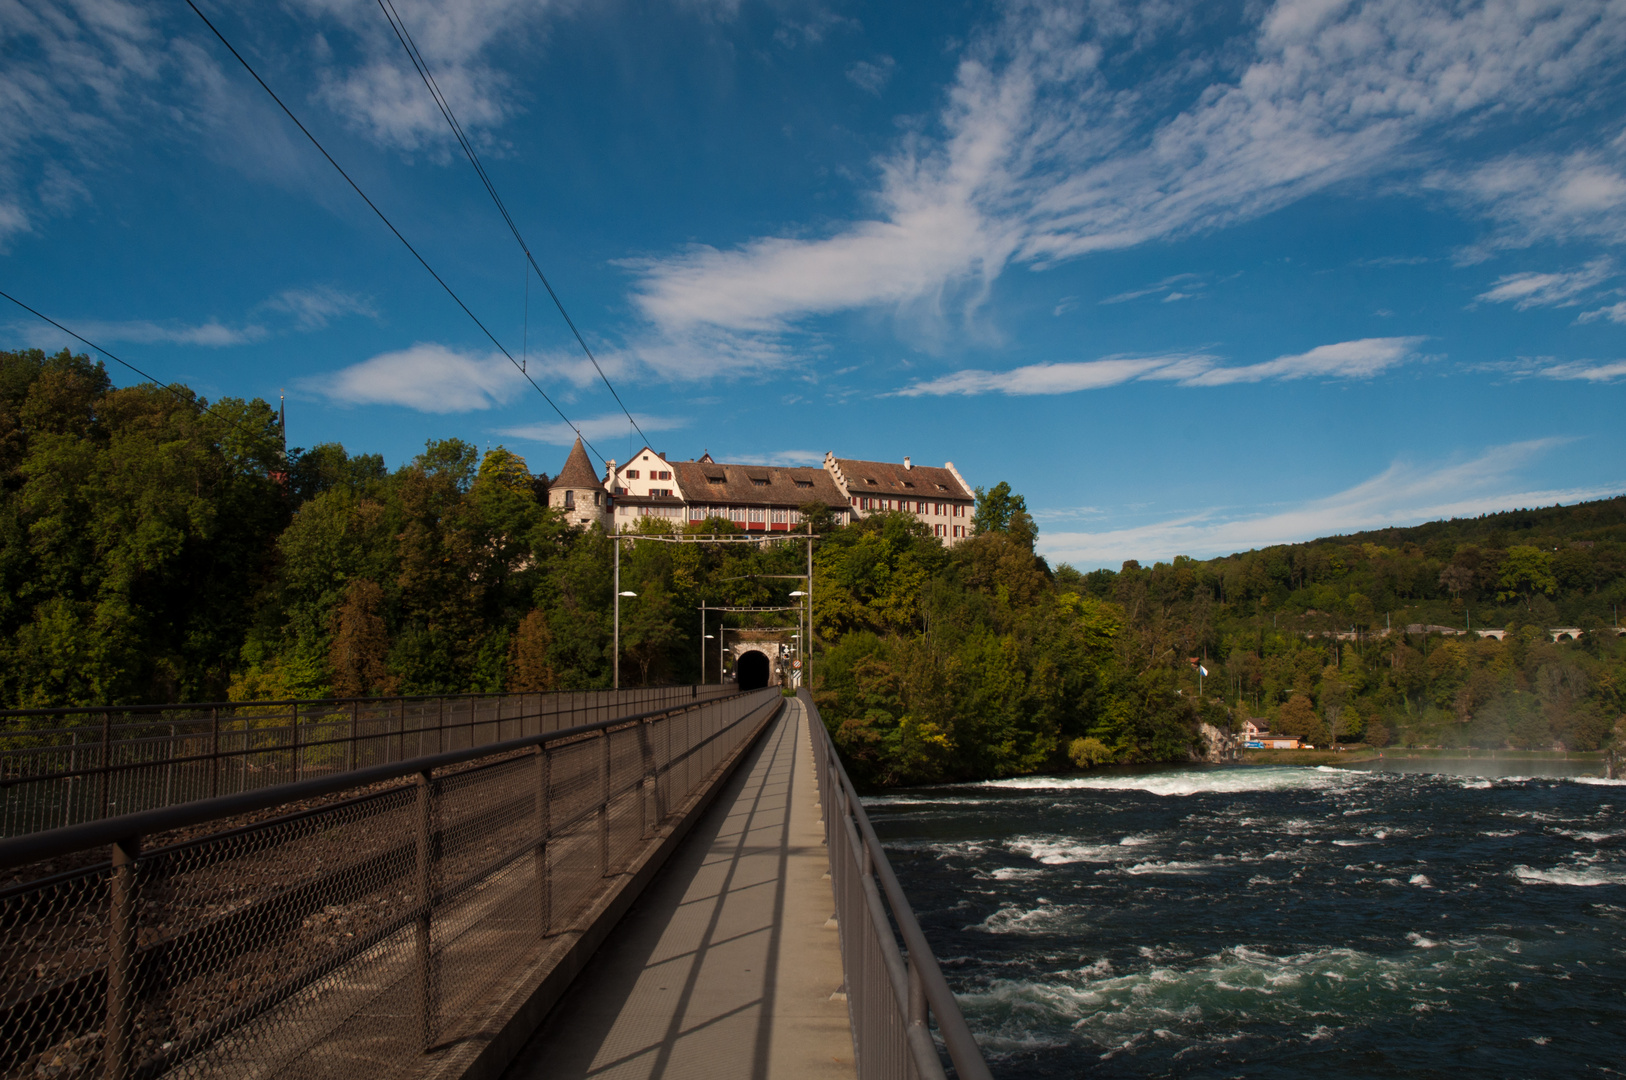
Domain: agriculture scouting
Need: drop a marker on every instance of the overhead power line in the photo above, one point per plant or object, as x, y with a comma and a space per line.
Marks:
389, 224
125, 363
404, 36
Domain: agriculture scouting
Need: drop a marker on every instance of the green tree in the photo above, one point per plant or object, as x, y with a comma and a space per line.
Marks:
1525, 572
360, 642
996, 509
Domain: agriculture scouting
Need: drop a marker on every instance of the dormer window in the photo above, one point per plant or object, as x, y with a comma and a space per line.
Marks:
908, 483
804, 483
759, 481
716, 479
869, 480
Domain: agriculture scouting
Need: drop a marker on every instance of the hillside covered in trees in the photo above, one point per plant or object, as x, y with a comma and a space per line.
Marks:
155, 547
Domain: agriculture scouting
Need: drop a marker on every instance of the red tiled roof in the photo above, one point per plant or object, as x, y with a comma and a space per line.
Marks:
886, 478
704, 482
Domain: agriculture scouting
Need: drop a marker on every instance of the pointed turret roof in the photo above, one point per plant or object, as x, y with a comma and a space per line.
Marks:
578, 471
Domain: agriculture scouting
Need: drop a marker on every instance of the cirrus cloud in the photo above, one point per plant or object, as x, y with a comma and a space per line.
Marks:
428, 377
1360, 359
1042, 156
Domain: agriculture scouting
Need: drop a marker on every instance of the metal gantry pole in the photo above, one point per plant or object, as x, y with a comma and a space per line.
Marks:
807, 662
615, 647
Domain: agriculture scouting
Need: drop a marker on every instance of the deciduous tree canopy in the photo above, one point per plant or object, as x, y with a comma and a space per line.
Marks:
156, 547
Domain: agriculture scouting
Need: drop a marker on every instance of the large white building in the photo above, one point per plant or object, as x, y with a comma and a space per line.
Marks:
760, 498
939, 497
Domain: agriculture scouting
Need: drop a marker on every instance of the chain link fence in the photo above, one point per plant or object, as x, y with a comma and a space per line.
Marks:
61, 767
372, 935
895, 990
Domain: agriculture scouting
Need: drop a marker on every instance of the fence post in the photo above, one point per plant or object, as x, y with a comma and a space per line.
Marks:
214, 751
121, 954
107, 762
647, 756
424, 974
355, 720
544, 826
169, 769
299, 761
604, 808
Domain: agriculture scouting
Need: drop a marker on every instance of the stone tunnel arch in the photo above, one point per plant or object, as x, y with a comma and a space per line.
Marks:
752, 670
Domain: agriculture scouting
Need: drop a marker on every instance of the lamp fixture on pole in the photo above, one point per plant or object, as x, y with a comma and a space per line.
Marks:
615, 646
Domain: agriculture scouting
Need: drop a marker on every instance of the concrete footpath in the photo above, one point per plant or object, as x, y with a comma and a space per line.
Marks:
725, 967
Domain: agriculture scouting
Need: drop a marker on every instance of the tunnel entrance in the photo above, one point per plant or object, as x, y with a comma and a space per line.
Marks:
752, 670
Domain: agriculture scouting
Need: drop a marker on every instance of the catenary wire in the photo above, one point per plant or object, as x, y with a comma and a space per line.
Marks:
125, 363
404, 36
390, 225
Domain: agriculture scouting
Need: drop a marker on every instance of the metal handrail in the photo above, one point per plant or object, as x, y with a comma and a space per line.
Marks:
920, 993
233, 946
97, 710
20, 850
146, 757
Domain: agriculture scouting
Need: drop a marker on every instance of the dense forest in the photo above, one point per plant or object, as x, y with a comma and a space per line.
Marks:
158, 547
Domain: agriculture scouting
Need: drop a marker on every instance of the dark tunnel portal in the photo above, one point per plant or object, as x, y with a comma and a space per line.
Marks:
752, 671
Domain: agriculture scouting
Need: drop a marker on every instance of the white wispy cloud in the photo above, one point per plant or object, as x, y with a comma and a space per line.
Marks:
1615, 313
428, 377
1584, 371
1360, 359
796, 458
209, 334
66, 95
608, 426
871, 76
1345, 360
383, 97
1559, 289
315, 306
1402, 494
1042, 158
1580, 195
1165, 286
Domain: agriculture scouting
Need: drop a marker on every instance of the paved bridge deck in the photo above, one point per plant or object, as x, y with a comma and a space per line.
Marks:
725, 967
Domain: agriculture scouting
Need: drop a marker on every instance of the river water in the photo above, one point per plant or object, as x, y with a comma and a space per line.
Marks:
1267, 921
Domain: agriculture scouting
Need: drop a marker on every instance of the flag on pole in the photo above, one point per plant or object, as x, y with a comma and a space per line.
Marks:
1202, 669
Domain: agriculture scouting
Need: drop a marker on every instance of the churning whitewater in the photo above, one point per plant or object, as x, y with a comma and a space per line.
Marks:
1265, 921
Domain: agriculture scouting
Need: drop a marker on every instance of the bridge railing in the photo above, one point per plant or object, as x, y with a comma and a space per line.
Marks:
376, 926
893, 993
65, 766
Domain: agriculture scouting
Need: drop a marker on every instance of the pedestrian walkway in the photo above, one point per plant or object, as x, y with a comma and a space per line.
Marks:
728, 966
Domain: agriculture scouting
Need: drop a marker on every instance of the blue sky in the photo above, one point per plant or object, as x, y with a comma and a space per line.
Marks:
1192, 277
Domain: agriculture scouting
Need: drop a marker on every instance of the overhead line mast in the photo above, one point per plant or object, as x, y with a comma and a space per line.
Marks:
404, 36
389, 224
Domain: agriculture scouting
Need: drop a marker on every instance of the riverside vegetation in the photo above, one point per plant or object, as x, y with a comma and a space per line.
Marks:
155, 547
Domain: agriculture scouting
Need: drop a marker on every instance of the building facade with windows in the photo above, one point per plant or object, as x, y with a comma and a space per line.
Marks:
759, 498
939, 497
